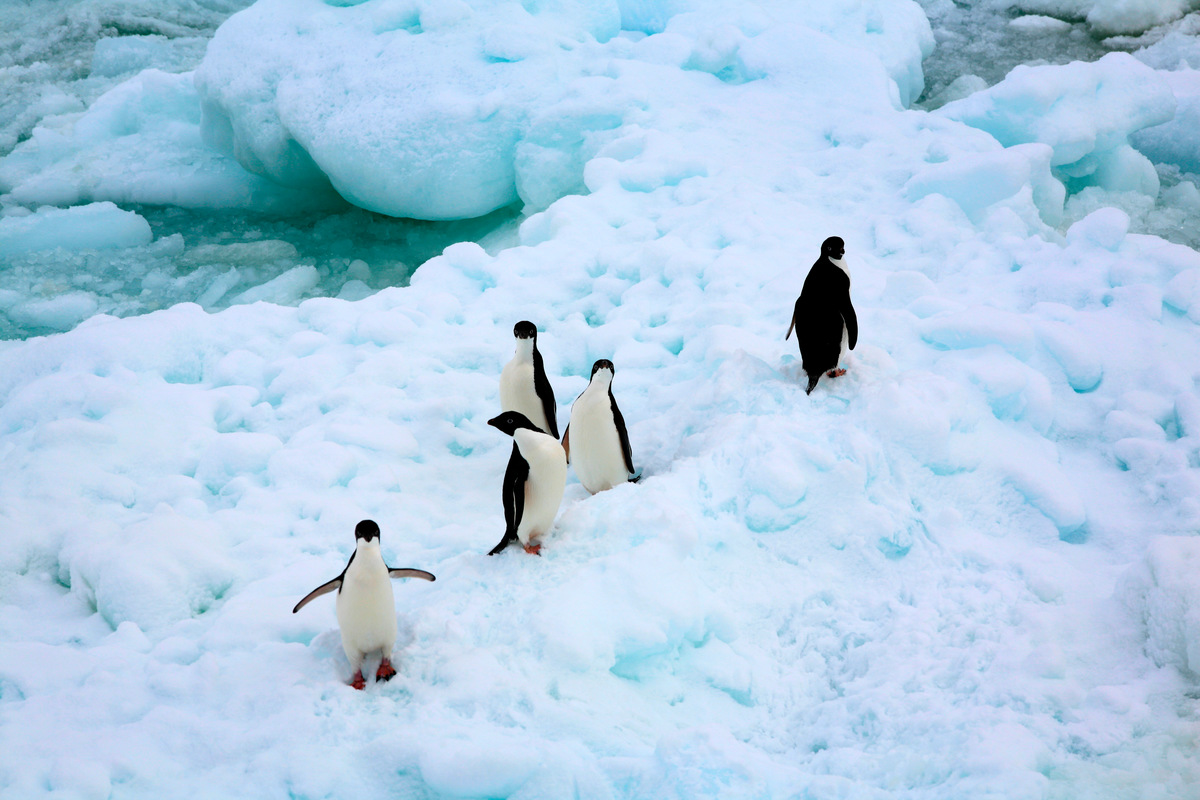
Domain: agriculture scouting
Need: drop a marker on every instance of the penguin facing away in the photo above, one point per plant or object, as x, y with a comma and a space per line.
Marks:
602, 457
524, 387
533, 483
366, 610
824, 317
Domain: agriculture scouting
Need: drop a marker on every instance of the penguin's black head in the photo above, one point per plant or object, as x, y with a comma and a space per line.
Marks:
511, 421
525, 330
833, 247
603, 363
366, 530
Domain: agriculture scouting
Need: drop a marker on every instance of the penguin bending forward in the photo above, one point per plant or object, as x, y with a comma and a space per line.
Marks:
366, 607
533, 483
602, 455
523, 384
824, 318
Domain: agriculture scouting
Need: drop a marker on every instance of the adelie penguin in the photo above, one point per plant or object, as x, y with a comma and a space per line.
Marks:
824, 318
533, 483
524, 387
599, 450
366, 610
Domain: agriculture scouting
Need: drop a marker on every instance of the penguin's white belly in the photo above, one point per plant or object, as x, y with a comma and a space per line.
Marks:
840, 263
517, 393
596, 451
366, 611
543, 488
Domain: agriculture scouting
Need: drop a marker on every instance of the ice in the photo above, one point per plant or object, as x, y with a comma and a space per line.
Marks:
962, 569
140, 143
94, 226
1176, 142
517, 117
1085, 112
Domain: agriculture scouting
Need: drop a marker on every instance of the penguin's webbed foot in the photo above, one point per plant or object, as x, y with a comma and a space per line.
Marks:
358, 682
386, 671
836, 373
533, 549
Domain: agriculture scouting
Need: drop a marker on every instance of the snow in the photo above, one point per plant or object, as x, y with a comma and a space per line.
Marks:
964, 569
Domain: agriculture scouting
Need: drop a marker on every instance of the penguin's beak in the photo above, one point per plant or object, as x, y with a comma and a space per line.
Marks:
494, 422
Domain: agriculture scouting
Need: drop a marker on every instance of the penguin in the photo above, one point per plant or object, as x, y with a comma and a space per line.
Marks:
533, 483
824, 317
602, 455
523, 384
366, 609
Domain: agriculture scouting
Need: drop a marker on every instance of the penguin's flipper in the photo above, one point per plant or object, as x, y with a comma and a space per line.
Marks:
541, 385
791, 328
566, 442
409, 572
514, 497
324, 588
621, 432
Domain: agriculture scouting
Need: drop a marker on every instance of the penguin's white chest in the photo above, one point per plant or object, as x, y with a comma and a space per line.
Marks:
841, 264
366, 607
517, 392
544, 487
596, 453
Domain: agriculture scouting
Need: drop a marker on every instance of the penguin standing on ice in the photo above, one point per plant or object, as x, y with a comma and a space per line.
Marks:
366, 607
524, 387
533, 483
824, 318
602, 455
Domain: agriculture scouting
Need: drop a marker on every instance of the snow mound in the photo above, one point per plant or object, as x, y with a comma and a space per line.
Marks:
1085, 112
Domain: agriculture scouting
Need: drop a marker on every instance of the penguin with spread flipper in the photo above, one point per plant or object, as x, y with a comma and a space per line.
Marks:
366, 611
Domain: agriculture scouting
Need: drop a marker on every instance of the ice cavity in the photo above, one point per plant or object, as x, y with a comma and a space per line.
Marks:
1084, 112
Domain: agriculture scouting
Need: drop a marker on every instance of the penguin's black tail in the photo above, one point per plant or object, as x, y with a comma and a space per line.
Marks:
812, 382
508, 539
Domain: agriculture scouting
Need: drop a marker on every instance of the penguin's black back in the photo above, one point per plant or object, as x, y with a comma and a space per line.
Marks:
821, 311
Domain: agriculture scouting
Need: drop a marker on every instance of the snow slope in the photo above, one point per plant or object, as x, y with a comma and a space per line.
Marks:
966, 569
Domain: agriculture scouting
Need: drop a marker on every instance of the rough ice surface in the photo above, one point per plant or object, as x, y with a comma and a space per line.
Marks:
1085, 112
964, 569
451, 111
140, 143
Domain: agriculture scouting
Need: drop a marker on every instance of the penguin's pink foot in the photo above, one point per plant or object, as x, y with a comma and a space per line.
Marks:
385, 672
533, 549
836, 373
357, 681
